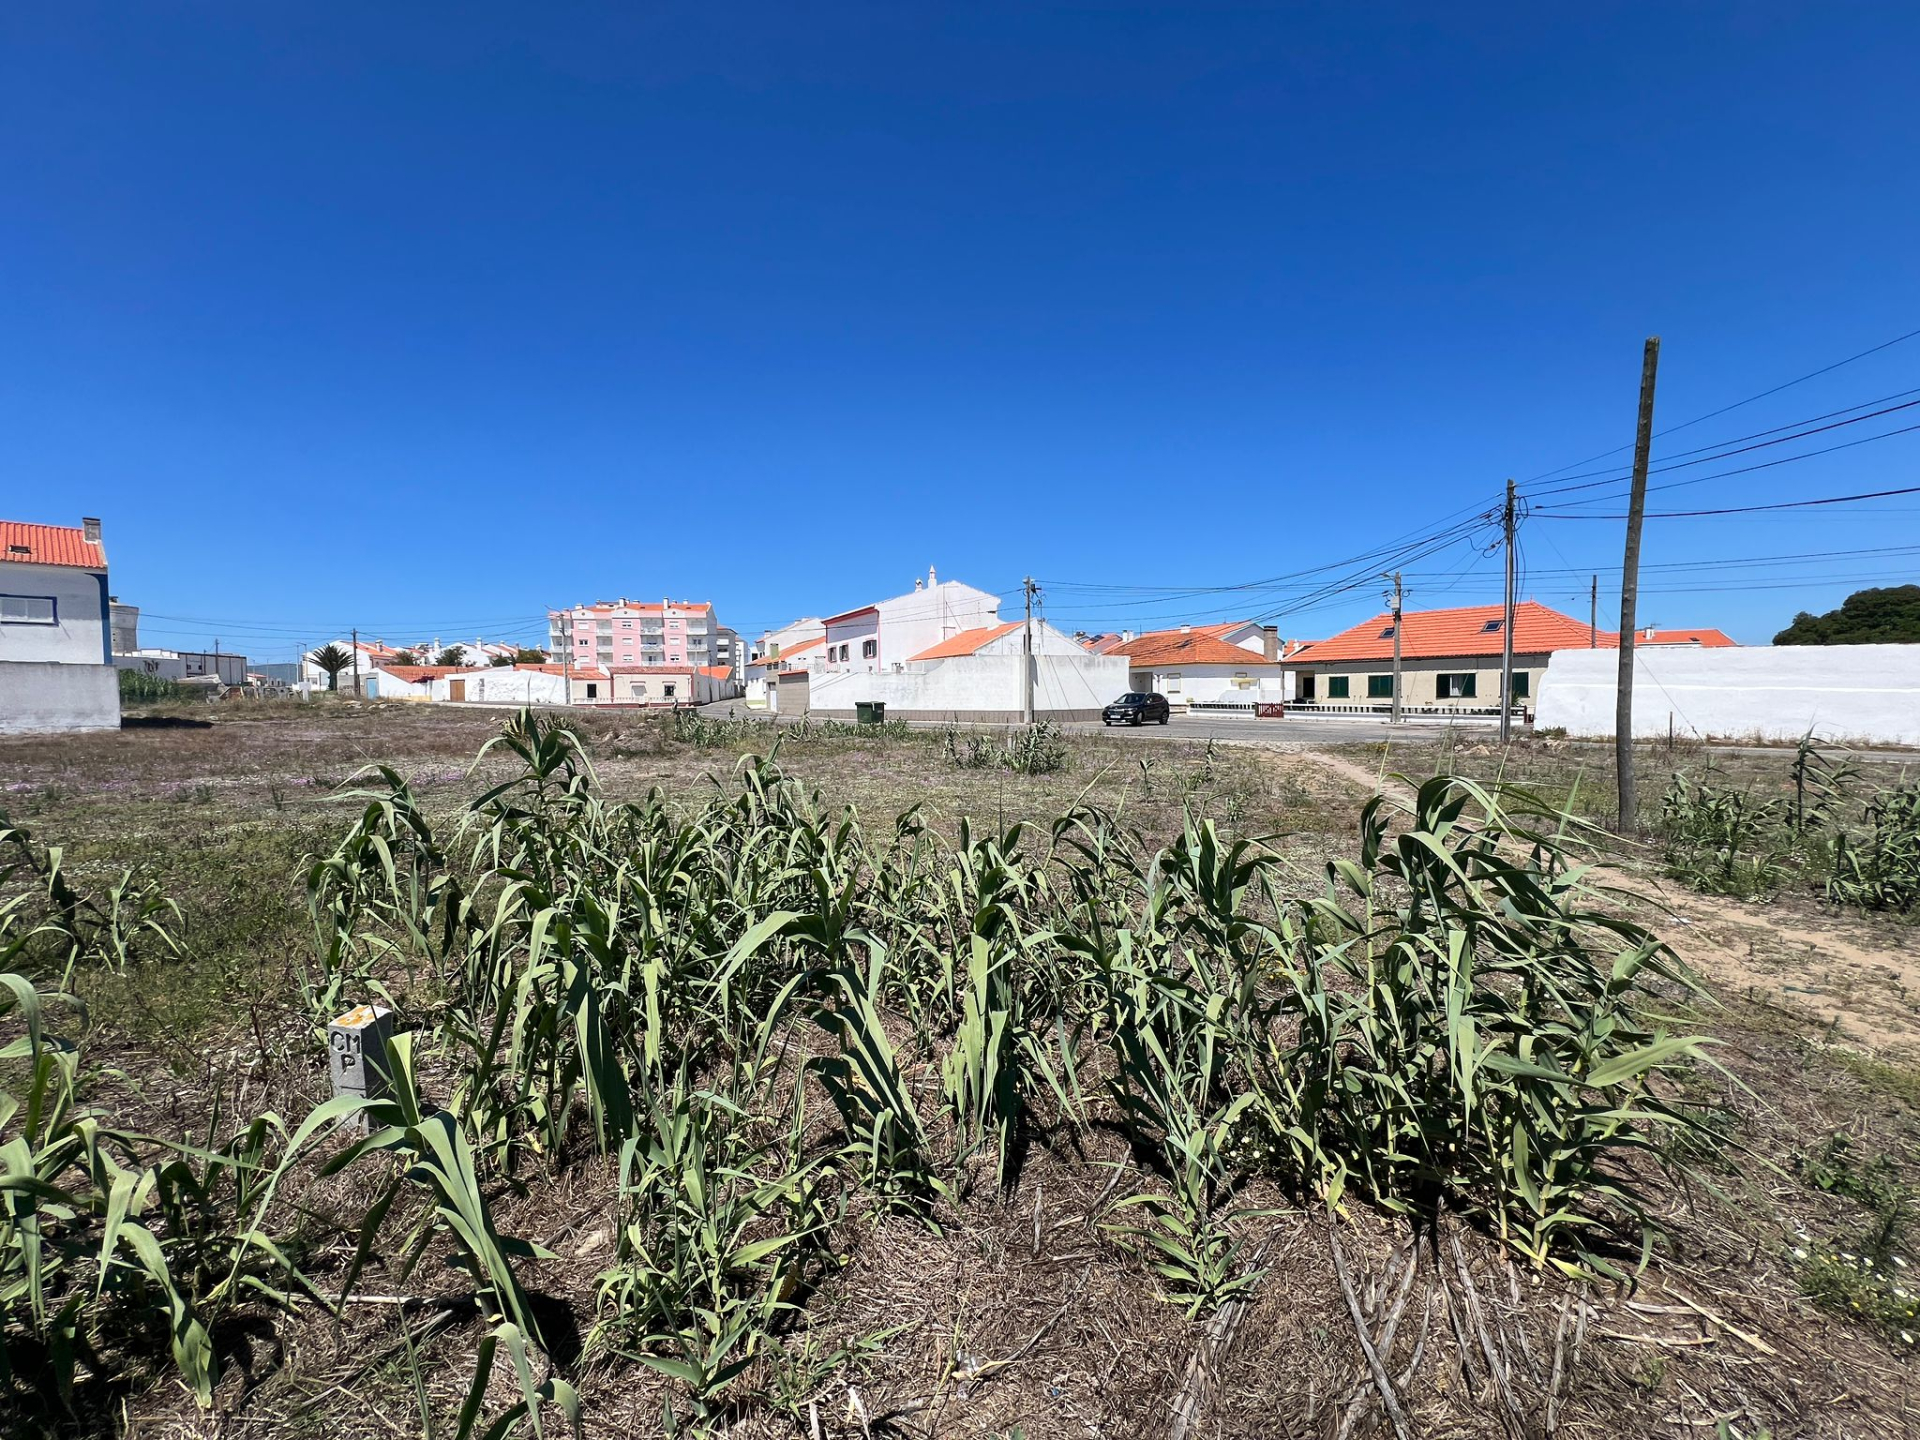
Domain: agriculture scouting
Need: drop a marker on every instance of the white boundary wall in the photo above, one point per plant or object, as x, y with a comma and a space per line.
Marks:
1867, 693
980, 687
39, 695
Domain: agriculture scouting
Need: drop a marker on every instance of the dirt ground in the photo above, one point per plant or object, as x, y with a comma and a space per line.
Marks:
1019, 1316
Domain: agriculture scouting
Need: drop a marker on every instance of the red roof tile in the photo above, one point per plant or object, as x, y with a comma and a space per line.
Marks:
790, 651
967, 642
1469, 630
1185, 647
1707, 639
717, 672
850, 614
50, 545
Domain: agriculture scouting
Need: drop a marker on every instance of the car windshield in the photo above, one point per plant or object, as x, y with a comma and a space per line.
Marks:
1131, 700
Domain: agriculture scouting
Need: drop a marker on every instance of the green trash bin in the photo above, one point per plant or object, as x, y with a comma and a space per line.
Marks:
869, 712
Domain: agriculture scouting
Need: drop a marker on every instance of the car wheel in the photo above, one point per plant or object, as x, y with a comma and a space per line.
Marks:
1166, 717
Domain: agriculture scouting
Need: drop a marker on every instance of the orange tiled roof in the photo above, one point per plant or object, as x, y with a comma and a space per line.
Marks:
967, 642
717, 672
790, 651
1185, 647
1709, 639
50, 545
1469, 630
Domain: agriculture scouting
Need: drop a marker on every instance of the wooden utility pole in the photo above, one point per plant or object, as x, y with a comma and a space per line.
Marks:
1026, 655
1506, 628
1630, 587
1397, 598
1593, 615
356, 664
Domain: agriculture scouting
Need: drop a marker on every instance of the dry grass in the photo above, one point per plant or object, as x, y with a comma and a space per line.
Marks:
1020, 1312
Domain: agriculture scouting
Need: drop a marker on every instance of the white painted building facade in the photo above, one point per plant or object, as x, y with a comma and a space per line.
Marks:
881, 636
56, 642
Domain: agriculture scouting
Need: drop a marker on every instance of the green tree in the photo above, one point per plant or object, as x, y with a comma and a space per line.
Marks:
405, 657
453, 655
525, 656
332, 659
1887, 616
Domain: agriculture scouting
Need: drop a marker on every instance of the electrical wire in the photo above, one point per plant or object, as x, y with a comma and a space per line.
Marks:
1736, 405
1748, 509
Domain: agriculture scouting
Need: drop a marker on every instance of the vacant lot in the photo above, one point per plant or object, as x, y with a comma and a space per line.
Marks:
929, 1127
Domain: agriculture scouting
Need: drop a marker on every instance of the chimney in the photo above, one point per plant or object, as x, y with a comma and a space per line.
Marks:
91, 525
1186, 629
1126, 636
1270, 642
917, 584
931, 582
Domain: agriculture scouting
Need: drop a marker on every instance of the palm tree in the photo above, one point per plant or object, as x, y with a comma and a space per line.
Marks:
332, 659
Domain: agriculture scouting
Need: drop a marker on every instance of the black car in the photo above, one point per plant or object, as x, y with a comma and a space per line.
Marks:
1136, 709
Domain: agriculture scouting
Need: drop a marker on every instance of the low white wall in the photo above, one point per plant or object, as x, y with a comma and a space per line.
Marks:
503, 685
1839, 692
979, 686
38, 695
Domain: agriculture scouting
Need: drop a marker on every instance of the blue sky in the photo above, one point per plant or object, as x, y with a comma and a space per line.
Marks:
427, 318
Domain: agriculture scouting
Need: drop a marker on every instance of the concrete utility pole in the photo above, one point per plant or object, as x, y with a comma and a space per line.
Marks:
1026, 654
1593, 615
1397, 599
1630, 586
1506, 628
356, 664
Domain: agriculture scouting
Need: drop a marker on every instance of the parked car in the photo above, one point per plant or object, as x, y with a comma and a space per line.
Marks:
1136, 709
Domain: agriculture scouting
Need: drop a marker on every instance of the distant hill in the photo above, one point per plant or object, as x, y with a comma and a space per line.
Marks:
1889, 616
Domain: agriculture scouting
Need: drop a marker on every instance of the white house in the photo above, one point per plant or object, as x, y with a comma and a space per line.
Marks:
882, 636
976, 675
510, 685
1206, 665
56, 642
762, 687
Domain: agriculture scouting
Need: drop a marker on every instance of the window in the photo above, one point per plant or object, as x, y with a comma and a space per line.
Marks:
1387, 634
1306, 685
1456, 687
1520, 684
667, 690
593, 691
1492, 627
626, 624
1379, 687
1173, 683
869, 649
28, 610
1241, 680
1337, 687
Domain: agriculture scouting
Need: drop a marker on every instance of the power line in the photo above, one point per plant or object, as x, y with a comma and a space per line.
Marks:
1725, 409
1751, 509
1723, 452
1748, 469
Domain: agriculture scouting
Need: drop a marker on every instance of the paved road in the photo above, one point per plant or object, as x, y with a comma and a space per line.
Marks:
1302, 732
1325, 730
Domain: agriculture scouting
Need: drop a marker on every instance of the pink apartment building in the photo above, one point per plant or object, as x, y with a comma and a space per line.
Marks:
680, 633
